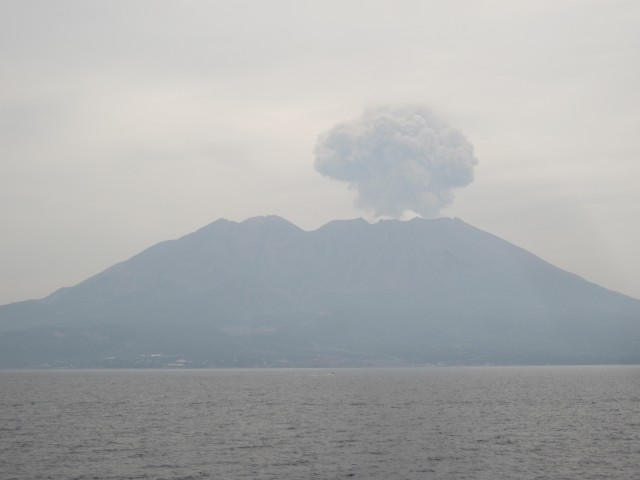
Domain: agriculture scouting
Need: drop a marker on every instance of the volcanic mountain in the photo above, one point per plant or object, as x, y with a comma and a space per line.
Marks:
265, 293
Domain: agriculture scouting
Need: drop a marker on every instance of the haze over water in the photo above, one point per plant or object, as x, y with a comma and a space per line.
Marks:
431, 423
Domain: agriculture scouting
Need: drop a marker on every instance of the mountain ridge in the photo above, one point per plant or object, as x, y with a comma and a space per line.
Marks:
265, 292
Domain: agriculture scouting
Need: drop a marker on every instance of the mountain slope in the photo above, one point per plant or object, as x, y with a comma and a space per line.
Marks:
264, 292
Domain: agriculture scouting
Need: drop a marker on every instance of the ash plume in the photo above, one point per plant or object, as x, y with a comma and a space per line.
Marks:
399, 160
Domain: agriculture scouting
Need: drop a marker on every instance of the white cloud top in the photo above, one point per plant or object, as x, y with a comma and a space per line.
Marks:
398, 159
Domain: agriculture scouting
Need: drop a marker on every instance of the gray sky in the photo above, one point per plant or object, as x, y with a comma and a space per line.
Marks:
125, 123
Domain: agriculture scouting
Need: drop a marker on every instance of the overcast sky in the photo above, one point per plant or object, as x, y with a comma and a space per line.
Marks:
125, 123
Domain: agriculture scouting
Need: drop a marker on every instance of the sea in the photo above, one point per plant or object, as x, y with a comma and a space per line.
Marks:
404, 423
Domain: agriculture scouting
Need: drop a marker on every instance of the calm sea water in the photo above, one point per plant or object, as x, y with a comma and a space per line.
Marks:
432, 423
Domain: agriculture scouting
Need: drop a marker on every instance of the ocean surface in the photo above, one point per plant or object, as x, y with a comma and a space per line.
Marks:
423, 423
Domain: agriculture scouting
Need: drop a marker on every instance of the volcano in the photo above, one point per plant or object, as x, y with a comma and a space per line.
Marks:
263, 292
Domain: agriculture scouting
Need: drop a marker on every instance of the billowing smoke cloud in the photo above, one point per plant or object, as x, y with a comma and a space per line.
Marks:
398, 159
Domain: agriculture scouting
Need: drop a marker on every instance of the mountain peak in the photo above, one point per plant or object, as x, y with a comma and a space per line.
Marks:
268, 221
265, 292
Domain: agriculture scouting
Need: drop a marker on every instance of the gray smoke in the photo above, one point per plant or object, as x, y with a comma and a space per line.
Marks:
398, 159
